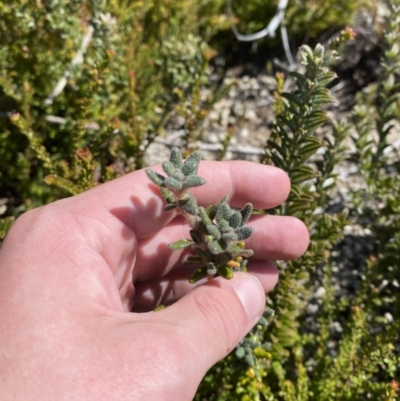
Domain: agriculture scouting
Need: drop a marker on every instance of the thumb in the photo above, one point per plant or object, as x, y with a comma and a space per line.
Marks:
213, 318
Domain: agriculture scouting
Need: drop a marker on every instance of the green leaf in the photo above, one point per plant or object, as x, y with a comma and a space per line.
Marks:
230, 237
168, 168
172, 183
246, 213
235, 220
189, 205
205, 217
302, 173
225, 272
300, 80
214, 231
293, 99
176, 157
244, 233
182, 243
158, 179
315, 120
223, 212
214, 247
191, 164
193, 181
198, 275
169, 207
327, 78
168, 195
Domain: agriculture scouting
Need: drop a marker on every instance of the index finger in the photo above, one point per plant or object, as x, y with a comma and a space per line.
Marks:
137, 202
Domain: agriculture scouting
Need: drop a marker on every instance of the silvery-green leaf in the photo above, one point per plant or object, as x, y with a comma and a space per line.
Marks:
204, 216
235, 220
182, 243
240, 353
212, 210
176, 157
172, 183
229, 237
244, 233
235, 250
190, 167
246, 213
158, 179
214, 247
178, 175
223, 212
191, 164
168, 195
168, 168
214, 231
189, 205
193, 181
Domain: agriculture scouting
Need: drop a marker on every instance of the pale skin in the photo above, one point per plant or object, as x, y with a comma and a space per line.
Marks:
72, 272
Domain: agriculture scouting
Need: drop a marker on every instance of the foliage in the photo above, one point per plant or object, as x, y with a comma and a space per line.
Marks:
303, 362
217, 232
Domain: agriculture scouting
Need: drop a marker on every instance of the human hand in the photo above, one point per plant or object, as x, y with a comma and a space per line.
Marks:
71, 272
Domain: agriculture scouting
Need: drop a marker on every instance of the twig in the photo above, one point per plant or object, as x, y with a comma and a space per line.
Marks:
268, 31
78, 59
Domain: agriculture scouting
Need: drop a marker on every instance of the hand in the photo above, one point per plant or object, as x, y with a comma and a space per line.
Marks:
71, 273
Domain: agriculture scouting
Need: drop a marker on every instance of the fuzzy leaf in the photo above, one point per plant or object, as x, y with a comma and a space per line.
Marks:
191, 164
172, 183
214, 247
176, 157
204, 217
235, 250
244, 233
229, 237
223, 212
235, 220
182, 243
168, 195
189, 205
178, 175
193, 181
246, 213
214, 231
158, 179
190, 167
212, 210
168, 168
198, 275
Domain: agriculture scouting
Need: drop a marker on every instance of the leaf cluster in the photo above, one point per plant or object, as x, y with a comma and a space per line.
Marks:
217, 232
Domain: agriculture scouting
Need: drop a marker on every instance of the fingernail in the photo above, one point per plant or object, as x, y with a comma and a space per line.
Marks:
251, 294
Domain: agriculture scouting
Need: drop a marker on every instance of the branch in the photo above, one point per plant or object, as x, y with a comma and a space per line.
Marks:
78, 59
